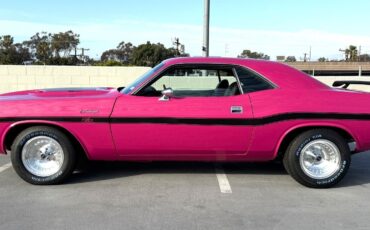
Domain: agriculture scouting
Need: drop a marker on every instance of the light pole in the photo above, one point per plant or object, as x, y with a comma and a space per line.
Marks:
206, 28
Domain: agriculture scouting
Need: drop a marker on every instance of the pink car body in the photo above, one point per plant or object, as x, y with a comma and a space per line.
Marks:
110, 125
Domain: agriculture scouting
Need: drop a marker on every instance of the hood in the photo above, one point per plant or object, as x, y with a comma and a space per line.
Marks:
57, 93
65, 102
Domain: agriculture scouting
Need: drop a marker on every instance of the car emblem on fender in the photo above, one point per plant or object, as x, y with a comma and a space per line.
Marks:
83, 111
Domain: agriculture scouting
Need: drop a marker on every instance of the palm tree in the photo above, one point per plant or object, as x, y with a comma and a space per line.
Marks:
351, 53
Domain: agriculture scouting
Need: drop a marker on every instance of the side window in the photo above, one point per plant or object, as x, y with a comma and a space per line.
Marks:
195, 82
227, 75
251, 82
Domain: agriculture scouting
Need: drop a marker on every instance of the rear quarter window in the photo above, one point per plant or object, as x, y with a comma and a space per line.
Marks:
251, 81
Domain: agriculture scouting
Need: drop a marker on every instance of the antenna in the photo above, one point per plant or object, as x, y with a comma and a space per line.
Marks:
226, 49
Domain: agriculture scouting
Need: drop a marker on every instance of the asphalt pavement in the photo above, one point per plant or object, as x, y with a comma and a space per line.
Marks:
185, 196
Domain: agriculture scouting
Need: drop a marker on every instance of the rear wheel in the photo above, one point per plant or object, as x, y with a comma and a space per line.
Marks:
318, 158
43, 155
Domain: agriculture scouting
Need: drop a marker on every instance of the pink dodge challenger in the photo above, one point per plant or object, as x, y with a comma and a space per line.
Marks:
191, 109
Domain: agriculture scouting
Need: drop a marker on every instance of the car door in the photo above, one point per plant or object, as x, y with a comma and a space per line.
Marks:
205, 117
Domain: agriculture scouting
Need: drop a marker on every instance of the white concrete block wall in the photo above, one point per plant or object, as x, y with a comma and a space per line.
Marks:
329, 81
14, 78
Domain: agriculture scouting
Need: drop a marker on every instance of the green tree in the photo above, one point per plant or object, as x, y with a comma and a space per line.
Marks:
290, 59
351, 53
255, 55
364, 58
6, 41
322, 59
109, 63
122, 54
54, 49
11, 53
40, 46
151, 54
63, 43
125, 52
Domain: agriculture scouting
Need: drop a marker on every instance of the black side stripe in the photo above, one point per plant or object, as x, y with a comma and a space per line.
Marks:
56, 119
200, 121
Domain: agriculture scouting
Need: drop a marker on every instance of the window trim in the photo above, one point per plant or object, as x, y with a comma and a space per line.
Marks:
238, 80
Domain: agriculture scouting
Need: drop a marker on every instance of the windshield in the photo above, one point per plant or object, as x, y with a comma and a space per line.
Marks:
141, 79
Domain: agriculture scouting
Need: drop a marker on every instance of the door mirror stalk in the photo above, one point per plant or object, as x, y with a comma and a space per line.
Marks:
166, 94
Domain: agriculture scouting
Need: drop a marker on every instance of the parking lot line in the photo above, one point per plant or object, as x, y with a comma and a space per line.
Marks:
5, 167
222, 180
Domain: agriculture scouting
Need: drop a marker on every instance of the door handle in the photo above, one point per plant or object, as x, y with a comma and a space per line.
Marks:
236, 109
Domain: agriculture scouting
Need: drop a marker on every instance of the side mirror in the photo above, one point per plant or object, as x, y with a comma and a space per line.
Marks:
166, 94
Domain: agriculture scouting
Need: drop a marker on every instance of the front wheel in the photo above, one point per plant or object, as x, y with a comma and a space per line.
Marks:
43, 155
318, 158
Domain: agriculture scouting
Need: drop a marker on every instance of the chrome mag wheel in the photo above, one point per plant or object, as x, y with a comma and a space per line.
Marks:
42, 156
320, 159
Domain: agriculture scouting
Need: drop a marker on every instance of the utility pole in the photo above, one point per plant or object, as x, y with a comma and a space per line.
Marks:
305, 57
83, 53
359, 53
205, 48
177, 44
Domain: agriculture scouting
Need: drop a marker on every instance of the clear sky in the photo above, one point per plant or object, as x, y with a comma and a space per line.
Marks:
275, 27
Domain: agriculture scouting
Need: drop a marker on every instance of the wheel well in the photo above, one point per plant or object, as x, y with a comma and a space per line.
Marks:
292, 134
16, 130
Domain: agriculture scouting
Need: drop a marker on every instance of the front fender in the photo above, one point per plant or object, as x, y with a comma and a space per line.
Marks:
27, 123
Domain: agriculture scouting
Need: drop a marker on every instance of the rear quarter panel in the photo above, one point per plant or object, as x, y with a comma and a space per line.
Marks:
267, 137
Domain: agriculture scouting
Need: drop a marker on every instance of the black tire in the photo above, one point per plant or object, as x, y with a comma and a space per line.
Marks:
68, 164
292, 164
286, 166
